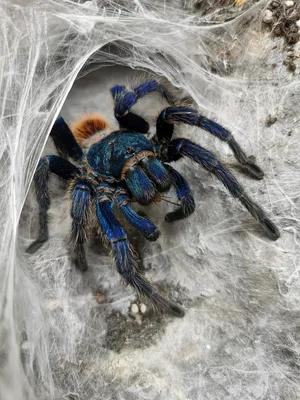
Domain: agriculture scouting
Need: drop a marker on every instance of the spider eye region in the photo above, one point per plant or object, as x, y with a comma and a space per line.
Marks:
108, 156
131, 150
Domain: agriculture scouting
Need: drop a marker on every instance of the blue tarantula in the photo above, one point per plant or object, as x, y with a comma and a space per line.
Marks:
116, 168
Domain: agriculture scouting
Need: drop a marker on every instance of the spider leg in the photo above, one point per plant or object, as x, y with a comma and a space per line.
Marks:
140, 186
124, 100
184, 147
146, 179
81, 198
64, 140
190, 116
125, 258
60, 167
143, 224
184, 195
157, 173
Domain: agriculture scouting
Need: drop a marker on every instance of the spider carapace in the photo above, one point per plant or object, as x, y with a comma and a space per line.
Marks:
108, 169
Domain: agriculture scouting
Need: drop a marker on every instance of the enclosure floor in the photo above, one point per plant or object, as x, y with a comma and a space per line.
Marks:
240, 336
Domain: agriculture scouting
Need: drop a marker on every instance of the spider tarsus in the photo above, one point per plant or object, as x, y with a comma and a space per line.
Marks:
173, 216
186, 209
82, 266
35, 246
153, 236
247, 162
145, 288
79, 259
270, 229
166, 305
176, 310
254, 170
257, 212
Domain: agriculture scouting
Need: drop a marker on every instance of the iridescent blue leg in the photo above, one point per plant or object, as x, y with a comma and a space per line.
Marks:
81, 198
124, 100
125, 258
144, 225
60, 167
64, 140
183, 147
184, 195
157, 173
140, 186
165, 127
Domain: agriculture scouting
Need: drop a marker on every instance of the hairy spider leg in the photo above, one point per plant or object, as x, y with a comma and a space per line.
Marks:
124, 100
81, 198
140, 186
65, 141
143, 224
157, 173
125, 258
60, 167
190, 116
147, 179
183, 147
184, 195
152, 85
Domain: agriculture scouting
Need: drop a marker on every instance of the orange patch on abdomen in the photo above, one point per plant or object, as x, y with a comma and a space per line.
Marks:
87, 126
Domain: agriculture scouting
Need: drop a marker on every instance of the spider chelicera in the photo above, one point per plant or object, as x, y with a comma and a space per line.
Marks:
115, 168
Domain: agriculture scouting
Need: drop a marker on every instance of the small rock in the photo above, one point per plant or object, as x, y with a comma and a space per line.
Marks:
274, 4
289, 3
271, 120
143, 308
294, 16
52, 304
291, 66
240, 3
134, 309
277, 30
293, 29
100, 298
268, 17
298, 23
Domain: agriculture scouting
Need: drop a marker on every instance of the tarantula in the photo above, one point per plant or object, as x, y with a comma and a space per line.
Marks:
120, 167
